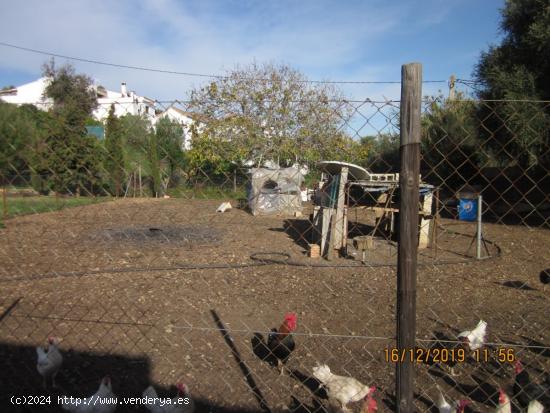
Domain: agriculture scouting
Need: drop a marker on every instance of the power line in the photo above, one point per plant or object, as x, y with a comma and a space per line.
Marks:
174, 72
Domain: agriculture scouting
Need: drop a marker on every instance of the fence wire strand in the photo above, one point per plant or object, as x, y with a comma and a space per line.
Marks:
174, 242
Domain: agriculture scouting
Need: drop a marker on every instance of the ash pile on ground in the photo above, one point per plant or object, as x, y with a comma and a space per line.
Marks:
173, 234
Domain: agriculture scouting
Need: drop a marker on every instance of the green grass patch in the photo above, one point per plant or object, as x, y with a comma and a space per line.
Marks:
25, 205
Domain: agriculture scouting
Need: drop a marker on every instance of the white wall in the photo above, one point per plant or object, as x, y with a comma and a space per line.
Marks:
32, 93
124, 106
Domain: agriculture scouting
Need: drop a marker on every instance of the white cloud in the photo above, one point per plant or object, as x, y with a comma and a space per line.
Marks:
321, 38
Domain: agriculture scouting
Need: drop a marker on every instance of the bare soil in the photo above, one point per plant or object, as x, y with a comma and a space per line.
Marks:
157, 291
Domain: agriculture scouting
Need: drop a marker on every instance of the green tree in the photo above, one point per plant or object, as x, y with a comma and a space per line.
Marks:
70, 157
23, 132
73, 97
211, 157
516, 70
383, 154
450, 147
71, 166
136, 130
114, 156
154, 165
271, 112
17, 135
45, 123
170, 143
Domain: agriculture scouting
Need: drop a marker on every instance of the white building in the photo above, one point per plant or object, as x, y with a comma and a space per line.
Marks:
185, 119
125, 102
31, 93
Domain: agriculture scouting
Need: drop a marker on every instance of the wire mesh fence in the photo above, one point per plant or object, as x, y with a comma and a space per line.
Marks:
163, 244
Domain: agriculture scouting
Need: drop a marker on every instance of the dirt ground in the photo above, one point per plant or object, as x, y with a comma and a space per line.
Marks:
160, 291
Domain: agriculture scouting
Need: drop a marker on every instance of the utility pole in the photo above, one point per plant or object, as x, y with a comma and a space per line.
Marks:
452, 83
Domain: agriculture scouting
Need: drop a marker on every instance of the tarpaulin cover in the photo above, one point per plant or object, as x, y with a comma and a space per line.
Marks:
274, 191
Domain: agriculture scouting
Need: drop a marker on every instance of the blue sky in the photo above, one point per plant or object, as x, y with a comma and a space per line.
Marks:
351, 40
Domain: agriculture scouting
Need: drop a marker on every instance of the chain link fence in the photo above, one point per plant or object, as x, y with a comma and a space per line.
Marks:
163, 244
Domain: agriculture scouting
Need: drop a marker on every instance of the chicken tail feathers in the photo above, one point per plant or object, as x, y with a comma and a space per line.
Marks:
535, 407
322, 373
441, 402
482, 325
480, 330
42, 356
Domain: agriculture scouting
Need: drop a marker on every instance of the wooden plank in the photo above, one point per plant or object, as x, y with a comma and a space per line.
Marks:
316, 223
411, 97
326, 214
424, 236
339, 241
381, 210
427, 204
426, 224
345, 236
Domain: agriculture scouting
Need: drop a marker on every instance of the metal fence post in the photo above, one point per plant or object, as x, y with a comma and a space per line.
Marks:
479, 229
411, 97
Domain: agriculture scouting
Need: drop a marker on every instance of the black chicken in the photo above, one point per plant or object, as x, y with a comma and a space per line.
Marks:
280, 342
525, 390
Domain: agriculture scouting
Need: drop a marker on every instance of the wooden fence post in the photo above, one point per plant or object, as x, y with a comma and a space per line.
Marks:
411, 100
4, 202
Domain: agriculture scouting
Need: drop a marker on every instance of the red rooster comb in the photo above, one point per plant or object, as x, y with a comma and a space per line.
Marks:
502, 397
291, 320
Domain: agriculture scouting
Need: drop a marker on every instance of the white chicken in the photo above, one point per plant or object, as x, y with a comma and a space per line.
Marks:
225, 206
504, 405
535, 407
343, 389
49, 361
182, 403
475, 338
102, 401
445, 407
